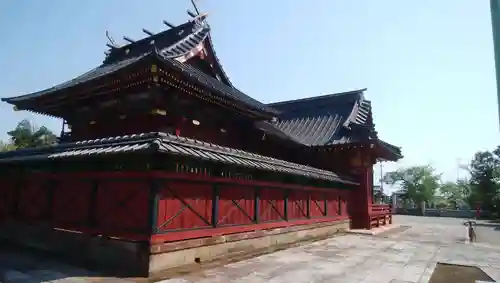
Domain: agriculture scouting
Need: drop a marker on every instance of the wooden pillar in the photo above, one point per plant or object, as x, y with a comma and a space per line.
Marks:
215, 205
360, 200
257, 205
155, 185
285, 203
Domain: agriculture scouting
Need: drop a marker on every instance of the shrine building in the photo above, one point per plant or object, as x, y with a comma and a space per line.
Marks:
163, 162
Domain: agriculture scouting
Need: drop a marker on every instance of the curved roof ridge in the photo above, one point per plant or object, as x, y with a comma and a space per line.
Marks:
162, 40
218, 64
315, 98
94, 73
186, 44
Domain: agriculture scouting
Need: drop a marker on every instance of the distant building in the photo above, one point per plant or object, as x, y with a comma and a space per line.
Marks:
398, 201
379, 196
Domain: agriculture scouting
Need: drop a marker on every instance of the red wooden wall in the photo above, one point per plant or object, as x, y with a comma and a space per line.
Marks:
79, 202
190, 210
128, 204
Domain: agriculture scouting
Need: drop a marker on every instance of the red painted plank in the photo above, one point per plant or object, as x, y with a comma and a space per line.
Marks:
272, 204
122, 235
333, 204
343, 205
122, 205
236, 205
33, 200
212, 232
178, 176
6, 197
317, 204
185, 206
71, 203
297, 204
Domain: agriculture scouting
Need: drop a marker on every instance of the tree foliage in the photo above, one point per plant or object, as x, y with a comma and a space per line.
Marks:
417, 183
484, 172
26, 134
421, 183
454, 194
6, 146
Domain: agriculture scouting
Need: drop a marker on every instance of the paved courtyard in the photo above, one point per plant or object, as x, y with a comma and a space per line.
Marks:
392, 257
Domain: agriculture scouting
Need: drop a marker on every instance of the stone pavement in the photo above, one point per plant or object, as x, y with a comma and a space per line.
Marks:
402, 256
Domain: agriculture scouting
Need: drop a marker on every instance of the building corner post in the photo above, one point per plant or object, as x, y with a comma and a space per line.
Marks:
361, 199
154, 199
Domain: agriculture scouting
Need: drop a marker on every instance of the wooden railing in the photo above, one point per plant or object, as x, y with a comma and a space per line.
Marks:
380, 214
380, 209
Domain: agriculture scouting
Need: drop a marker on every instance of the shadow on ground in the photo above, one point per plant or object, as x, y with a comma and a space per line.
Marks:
21, 264
492, 225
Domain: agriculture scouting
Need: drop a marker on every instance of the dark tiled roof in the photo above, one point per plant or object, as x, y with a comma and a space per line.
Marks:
170, 144
343, 118
172, 42
218, 65
322, 120
216, 86
167, 46
95, 73
392, 149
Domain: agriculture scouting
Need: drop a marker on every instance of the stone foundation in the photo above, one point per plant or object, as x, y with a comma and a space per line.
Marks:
97, 253
123, 258
170, 255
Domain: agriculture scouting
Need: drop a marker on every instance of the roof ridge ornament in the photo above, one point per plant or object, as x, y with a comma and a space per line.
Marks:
112, 44
193, 2
198, 18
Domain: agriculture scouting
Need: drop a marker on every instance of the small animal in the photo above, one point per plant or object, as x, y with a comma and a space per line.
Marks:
470, 229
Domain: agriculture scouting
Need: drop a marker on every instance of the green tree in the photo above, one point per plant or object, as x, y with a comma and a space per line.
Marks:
26, 134
417, 183
455, 194
6, 146
485, 180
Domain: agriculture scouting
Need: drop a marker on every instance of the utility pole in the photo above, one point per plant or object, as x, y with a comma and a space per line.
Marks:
495, 26
382, 183
381, 177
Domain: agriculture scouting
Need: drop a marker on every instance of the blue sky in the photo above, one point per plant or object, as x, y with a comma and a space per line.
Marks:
428, 65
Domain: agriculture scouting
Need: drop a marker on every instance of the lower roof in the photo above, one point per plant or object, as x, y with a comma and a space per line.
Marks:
170, 144
323, 120
329, 121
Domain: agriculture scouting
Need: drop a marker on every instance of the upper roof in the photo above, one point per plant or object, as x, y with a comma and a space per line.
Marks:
172, 48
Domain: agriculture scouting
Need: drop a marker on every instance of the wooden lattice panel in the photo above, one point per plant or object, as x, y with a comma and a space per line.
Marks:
185, 206
236, 205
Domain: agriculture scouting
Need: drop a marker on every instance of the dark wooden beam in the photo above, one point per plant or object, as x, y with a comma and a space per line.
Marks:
168, 24
147, 32
128, 39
